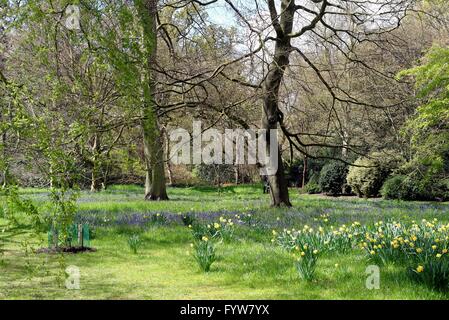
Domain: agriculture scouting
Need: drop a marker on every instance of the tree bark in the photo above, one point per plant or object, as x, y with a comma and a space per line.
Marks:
167, 152
304, 172
271, 113
155, 187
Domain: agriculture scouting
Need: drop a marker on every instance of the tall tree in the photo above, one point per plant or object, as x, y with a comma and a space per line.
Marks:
155, 184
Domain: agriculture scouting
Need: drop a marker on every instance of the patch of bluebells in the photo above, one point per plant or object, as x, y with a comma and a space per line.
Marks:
141, 219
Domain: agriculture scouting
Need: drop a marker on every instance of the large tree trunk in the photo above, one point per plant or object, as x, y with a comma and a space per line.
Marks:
271, 113
155, 188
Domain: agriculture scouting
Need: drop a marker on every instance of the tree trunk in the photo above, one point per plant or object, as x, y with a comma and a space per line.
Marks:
304, 172
271, 113
95, 180
155, 185
4, 179
167, 152
155, 188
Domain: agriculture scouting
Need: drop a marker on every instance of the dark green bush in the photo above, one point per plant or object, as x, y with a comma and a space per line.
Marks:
411, 187
399, 187
368, 175
333, 177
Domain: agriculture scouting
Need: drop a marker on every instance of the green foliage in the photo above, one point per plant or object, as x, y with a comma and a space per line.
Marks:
413, 186
333, 177
398, 187
367, 175
313, 187
429, 128
16, 205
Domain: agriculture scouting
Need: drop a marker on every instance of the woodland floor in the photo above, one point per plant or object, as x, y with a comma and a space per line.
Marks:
248, 267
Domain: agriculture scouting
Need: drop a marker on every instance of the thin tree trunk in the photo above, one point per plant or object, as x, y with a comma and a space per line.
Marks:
5, 156
167, 152
304, 172
95, 182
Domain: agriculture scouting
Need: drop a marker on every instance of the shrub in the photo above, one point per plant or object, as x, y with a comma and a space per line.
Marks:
204, 253
415, 186
367, 175
399, 187
333, 177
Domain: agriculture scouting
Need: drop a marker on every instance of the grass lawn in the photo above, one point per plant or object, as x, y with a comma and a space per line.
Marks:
247, 267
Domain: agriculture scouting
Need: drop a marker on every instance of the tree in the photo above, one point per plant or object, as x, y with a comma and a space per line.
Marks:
286, 31
429, 128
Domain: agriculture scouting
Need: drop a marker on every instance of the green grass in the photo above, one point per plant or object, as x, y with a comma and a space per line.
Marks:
249, 267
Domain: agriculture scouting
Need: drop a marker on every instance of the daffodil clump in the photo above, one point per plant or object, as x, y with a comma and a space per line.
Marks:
326, 239
134, 243
222, 229
309, 243
306, 260
204, 253
205, 235
421, 247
